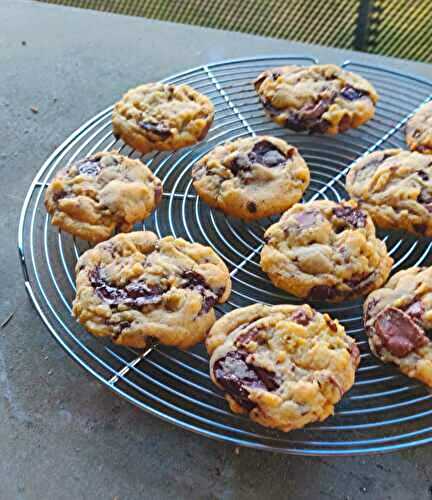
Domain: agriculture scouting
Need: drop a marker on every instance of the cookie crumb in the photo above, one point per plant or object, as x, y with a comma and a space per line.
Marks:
34, 109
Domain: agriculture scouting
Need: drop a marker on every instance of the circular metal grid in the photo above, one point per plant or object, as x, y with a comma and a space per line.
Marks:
384, 411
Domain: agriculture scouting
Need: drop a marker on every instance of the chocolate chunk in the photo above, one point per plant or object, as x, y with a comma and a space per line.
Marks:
351, 93
159, 129
89, 166
357, 282
331, 324
308, 219
345, 123
300, 317
420, 228
423, 175
398, 333
235, 375
415, 310
251, 206
252, 335
424, 149
353, 216
355, 353
240, 163
194, 281
425, 198
134, 294
266, 153
58, 195
275, 75
323, 292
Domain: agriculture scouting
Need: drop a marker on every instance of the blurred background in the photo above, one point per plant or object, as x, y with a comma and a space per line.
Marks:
397, 28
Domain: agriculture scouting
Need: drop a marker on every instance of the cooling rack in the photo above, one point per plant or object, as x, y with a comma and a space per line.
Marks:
384, 411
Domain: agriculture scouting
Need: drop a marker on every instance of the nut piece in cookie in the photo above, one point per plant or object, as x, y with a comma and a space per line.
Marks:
134, 287
322, 98
419, 130
395, 187
398, 319
286, 366
252, 177
95, 196
162, 117
325, 251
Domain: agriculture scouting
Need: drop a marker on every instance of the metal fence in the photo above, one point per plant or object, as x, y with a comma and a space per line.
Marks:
391, 27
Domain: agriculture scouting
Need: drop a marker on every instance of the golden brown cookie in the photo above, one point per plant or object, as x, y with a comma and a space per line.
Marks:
286, 366
95, 196
162, 117
395, 187
398, 321
323, 98
323, 250
252, 177
419, 130
134, 287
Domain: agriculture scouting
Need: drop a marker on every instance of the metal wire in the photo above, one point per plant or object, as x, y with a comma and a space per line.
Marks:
384, 411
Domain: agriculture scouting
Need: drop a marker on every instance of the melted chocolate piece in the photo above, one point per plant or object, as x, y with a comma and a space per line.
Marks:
266, 153
88, 166
415, 310
252, 335
425, 198
307, 219
158, 194
355, 353
300, 317
159, 129
323, 292
235, 375
398, 333
134, 294
353, 216
240, 164
194, 281
423, 149
251, 206
58, 195
423, 175
345, 123
351, 93
360, 281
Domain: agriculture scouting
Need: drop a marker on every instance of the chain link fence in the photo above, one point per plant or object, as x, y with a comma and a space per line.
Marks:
391, 27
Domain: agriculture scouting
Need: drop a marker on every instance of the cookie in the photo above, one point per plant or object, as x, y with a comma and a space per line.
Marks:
398, 318
323, 250
286, 366
395, 187
322, 98
95, 196
134, 287
419, 130
251, 178
162, 117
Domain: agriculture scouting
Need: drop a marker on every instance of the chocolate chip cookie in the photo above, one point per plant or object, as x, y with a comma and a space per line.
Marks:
398, 321
322, 98
251, 178
95, 196
323, 250
286, 366
162, 117
395, 187
134, 287
419, 130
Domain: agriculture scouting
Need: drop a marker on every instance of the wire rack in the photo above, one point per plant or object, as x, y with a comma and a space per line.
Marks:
384, 411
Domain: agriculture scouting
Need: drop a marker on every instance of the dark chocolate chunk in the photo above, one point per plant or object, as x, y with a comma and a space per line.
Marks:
134, 294
423, 175
194, 281
420, 228
323, 292
353, 216
240, 163
266, 153
158, 193
308, 219
355, 353
415, 310
235, 375
159, 129
300, 317
423, 149
398, 333
88, 166
252, 335
351, 93
251, 206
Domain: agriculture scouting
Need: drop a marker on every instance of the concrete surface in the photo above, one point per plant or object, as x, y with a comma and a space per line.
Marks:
62, 435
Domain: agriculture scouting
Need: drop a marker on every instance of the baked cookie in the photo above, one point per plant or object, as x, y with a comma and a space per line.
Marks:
323, 250
286, 366
162, 117
322, 98
95, 196
134, 287
395, 187
251, 178
398, 318
419, 130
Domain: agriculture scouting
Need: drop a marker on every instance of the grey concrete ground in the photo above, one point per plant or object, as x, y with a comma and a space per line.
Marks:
62, 435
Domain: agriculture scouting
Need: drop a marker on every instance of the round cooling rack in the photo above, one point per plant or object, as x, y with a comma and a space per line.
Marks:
384, 411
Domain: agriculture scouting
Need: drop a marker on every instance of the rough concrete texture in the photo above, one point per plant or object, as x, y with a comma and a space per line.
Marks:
62, 435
